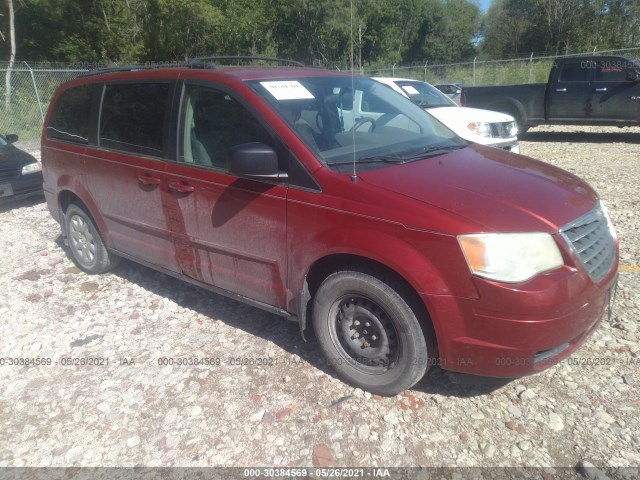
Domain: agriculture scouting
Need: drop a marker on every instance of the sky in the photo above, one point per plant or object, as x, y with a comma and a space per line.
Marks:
484, 4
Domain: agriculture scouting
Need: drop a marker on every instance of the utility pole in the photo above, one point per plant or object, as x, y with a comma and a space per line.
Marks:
12, 57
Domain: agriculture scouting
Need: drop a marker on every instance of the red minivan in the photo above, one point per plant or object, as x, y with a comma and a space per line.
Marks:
402, 244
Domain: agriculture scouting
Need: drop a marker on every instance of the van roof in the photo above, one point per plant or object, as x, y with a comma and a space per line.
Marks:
237, 73
240, 67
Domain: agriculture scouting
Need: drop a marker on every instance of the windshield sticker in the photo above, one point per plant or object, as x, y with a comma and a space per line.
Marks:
410, 90
287, 90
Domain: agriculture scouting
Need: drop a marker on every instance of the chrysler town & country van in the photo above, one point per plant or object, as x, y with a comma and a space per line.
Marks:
401, 244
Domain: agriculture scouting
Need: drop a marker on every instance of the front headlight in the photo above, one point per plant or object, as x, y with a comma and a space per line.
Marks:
512, 129
480, 128
31, 168
510, 257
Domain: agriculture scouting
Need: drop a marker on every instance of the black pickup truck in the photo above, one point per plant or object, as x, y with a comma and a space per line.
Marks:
584, 90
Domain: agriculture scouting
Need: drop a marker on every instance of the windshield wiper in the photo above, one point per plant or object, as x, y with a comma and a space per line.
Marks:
372, 159
430, 152
395, 159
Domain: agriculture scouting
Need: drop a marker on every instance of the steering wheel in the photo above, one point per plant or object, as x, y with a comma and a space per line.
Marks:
362, 121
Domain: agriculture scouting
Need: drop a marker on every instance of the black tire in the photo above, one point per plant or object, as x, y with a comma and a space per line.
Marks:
390, 354
88, 250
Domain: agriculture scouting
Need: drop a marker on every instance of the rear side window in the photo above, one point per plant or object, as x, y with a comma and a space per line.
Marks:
575, 72
133, 117
71, 114
614, 70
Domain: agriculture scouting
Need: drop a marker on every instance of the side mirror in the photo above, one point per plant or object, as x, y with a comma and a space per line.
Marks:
11, 138
253, 160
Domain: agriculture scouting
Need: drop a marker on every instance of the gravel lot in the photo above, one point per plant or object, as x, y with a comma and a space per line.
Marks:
291, 411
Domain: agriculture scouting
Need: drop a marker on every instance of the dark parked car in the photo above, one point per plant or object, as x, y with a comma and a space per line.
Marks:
20, 173
402, 244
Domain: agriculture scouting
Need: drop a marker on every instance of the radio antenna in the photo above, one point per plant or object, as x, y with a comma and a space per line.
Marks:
354, 176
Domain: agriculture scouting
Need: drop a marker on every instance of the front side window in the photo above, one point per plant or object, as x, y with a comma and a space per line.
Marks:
341, 120
575, 72
133, 117
71, 114
212, 122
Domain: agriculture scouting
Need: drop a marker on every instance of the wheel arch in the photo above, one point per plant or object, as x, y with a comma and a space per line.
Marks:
331, 263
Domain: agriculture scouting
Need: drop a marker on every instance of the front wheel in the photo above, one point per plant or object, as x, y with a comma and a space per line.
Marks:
369, 334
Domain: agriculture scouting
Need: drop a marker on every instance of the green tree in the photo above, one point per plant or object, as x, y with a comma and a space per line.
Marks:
247, 28
321, 32
451, 34
516, 27
511, 28
81, 30
180, 29
301, 30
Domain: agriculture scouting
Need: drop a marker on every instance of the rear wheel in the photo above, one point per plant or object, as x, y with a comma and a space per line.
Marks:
85, 242
369, 334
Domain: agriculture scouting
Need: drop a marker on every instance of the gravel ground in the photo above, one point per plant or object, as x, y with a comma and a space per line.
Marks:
287, 409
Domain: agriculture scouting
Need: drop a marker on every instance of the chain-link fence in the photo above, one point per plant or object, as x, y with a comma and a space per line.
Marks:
25, 92
493, 72
531, 69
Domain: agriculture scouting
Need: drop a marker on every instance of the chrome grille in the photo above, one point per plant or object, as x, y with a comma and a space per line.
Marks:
591, 240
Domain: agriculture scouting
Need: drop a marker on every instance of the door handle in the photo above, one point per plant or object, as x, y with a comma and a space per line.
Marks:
560, 90
603, 89
147, 179
181, 187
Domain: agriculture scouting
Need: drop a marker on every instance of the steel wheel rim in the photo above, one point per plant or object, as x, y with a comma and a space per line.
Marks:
364, 334
81, 240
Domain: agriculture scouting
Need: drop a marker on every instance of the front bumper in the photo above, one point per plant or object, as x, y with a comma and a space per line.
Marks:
537, 325
22, 186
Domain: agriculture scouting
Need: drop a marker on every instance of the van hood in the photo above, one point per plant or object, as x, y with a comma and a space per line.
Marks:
494, 190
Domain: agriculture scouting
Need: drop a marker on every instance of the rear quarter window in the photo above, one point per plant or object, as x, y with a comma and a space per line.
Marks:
71, 114
133, 118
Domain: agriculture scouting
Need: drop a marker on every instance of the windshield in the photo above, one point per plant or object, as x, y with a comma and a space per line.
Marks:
369, 123
424, 95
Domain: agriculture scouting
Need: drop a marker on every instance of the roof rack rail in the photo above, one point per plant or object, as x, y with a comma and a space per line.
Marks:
201, 62
130, 68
